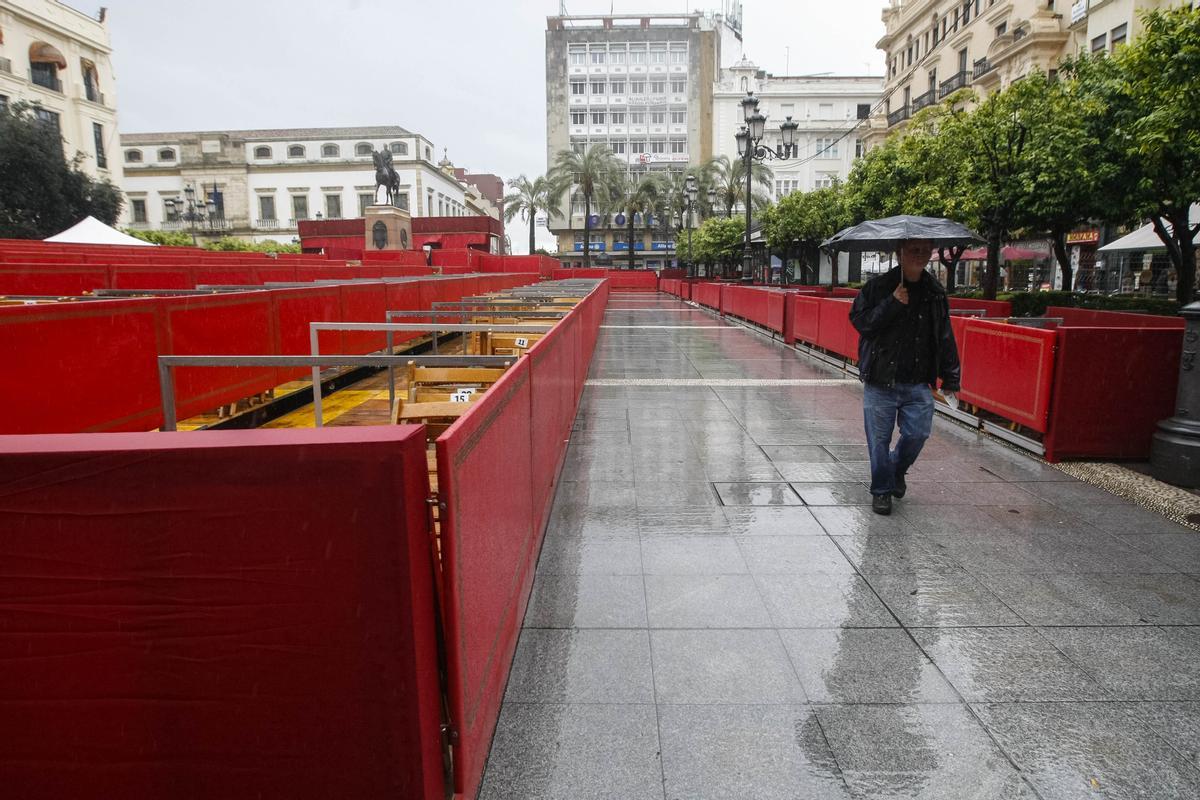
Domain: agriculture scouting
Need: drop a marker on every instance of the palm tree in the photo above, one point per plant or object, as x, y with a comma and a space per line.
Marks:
729, 179
593, 173
529, 199
639, 194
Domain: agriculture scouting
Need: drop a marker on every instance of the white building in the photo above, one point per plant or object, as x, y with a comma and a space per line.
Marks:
832, 112
262, 181
59, 60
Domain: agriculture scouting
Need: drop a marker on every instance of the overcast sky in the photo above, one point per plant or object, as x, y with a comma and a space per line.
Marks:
467, 74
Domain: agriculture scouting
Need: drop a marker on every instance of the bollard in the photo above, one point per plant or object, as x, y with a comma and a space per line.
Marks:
1175, 449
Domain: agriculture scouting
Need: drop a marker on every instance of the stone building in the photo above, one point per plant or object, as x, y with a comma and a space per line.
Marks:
60, 61
262, 182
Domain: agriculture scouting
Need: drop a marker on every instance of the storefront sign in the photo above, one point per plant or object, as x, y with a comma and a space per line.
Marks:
1079, 10
1083, 237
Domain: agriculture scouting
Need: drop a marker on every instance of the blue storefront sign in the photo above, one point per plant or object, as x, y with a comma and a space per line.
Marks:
625, 245
662, 245
595, 246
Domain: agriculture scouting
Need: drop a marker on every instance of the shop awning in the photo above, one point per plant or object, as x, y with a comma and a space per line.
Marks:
1144, 238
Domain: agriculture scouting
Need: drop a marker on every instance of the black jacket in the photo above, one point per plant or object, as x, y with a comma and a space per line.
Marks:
876, 316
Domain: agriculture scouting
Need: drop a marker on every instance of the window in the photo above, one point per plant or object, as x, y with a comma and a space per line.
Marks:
637, 56
618, 118
364, 200
617, 56
637, 87
658, 87
658, 117
678, 87
863, 110
166, 154
91, 83
598, 87
333, 206
860, 148
598, 56
966, 12
1118, 35
617, 147
826, 147
824, 180
598, 117
678, 146
578, 88
825, 111
299, 206
330, 151
578, 57
678, 56
262, 152
658, 56
266, 207
1099, 43
579, 147
402, 200
618, 87
786, 186
98, 138
962, 60
133, 156
1002, 29
637, 117
296, 151
45, 74
579, 118
138, 209
398, 148
678, 117
636, 146
932, 79
360, 149
658, 147
3, 102
428, 154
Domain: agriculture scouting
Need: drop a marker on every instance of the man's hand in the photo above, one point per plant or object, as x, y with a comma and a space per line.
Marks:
901, 293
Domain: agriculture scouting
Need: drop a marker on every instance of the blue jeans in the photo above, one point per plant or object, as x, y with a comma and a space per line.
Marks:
912, 403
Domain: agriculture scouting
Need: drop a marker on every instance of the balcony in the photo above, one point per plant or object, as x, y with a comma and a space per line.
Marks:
982, 67
923, 100
899, 115
956, 81
6, 65
267, 224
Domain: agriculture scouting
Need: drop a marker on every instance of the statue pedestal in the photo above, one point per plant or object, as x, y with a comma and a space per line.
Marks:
387, 228
1175, 450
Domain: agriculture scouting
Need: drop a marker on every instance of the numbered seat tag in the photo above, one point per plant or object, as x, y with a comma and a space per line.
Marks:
522, 342
462, 396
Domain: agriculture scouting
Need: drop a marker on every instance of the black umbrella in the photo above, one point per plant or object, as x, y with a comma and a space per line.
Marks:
888, 233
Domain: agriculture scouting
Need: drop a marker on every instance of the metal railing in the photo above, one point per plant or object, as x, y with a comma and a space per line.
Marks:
899, 115
982, 67
267, 224
6, 65
45, 81
93, 95
922, 100
955, 82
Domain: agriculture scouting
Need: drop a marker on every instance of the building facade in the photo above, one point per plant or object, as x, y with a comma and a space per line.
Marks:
833, 113
260, 183
59, 60
641, 85
932, 48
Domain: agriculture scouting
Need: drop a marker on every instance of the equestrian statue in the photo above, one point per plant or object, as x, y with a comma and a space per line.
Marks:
385, 175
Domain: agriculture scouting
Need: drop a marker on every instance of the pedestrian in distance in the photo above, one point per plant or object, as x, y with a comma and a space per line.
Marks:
905, 345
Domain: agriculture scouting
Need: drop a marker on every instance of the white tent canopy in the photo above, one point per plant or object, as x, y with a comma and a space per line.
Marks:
1144, 238
90, 230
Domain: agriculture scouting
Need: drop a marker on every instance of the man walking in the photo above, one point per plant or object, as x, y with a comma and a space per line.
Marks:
905, 344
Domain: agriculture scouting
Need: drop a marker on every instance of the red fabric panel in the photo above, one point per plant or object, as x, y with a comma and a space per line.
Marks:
707, 294
805, 316
226, 274
221, 615
415, 258
234, 324
844, 291
52, 279
93, 365
403, 297
278, 272
152, 277
454, 258
1010, 370
1089, 318
552, 367
994, 308
363, 302
489, 550
834, 331
293, 310
1111, 388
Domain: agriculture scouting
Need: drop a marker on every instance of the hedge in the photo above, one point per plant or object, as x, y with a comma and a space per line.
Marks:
1034, 304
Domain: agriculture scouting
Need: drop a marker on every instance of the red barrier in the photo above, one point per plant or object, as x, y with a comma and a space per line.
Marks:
762, 306
51, 279
708, 295
618, 279
804, 319
992, 308
489, 546
835, 333
1091, 318
363, 302
1111, 388
293, 310
552, 366
201, 615
1010, 370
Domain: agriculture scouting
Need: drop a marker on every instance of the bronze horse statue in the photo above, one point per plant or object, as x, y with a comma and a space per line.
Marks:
385, 175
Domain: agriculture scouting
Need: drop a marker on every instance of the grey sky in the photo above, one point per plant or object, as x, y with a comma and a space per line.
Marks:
469, 75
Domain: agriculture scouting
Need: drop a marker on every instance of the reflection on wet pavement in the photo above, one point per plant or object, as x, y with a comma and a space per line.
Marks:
718, 614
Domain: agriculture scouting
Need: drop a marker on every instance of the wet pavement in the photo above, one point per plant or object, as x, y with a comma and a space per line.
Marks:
718, 614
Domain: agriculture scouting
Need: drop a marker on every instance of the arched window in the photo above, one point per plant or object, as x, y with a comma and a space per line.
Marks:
262, 152
295, 151
363, 149
166, 154
398, 148
91, 81
45, 61
330, 151
133, 156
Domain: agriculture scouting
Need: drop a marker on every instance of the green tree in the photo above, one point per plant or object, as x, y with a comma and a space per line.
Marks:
593, 173
167, 238
235, 245
729, 179
41, 193
800, 221
638, 194
1143, 102
719, 242
528, 199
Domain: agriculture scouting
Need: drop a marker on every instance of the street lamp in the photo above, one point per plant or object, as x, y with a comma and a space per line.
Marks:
190, 211
691, 190
750, 149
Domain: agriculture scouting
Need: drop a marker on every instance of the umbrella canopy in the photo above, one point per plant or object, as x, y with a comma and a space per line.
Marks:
1144, 238
90, 230
1009, 253
888, 233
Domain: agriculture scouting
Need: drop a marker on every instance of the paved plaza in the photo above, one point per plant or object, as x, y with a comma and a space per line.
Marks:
718, 614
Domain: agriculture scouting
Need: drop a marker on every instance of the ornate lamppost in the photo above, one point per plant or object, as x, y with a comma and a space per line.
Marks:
749, 143
690, 190
190, 210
